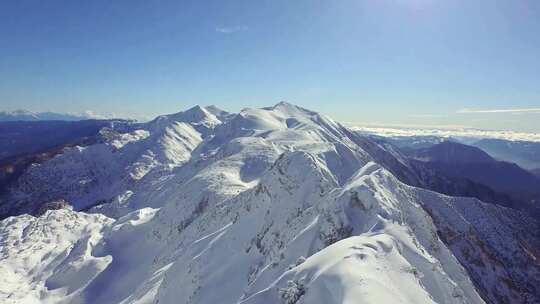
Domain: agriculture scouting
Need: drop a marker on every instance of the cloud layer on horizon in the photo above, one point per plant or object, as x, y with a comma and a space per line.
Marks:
472, 111
457, 132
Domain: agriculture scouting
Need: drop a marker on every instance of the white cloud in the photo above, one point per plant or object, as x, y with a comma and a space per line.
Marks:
472, 111
231, 29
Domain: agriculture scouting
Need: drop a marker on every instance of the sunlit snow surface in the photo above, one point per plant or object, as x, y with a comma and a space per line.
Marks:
272, 205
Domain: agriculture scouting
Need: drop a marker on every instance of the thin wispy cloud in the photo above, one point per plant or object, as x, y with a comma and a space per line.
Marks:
525, 110
231, 29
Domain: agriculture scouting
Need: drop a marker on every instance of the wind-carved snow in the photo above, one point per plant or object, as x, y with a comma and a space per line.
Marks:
272, 205
48, 258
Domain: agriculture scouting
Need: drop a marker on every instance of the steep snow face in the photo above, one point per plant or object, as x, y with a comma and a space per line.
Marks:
272, 205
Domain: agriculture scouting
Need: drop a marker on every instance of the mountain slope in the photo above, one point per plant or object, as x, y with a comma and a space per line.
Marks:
271, 205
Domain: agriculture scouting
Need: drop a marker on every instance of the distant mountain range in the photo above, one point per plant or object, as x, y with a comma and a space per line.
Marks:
24, 115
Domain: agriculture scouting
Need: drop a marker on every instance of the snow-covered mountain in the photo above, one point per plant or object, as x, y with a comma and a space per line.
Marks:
24, 115
271, 205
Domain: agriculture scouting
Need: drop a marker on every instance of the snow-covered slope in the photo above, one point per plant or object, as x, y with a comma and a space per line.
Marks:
271, 205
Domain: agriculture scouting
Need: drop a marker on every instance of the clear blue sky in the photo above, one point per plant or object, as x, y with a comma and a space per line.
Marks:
373, 61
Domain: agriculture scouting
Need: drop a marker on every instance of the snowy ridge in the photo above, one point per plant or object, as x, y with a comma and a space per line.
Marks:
271, 205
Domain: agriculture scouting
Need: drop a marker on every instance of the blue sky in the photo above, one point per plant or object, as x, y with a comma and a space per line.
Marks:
406, 62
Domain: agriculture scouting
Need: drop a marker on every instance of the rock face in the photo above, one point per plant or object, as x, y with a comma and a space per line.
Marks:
271, 205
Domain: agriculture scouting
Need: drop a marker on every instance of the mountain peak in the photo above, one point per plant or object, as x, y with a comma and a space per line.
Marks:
196, 110
194, 114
